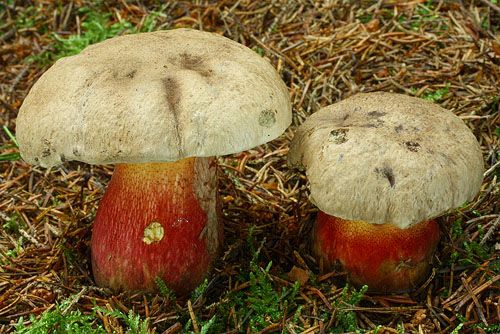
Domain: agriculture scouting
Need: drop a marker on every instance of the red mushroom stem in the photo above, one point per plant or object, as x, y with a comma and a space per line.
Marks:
157, 220
382, 256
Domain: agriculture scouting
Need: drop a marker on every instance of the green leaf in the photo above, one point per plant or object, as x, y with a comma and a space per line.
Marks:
437, 95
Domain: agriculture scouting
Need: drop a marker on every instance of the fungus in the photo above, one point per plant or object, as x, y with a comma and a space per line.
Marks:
380, 188
160, 106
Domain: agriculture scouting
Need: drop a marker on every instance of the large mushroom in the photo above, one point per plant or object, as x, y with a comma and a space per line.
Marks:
381, 168
158, 105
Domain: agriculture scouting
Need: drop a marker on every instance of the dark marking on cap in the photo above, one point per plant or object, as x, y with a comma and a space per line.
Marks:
376, 113
47, 148
346, 116
448, 158
373, 124
398, 128
339, 136
196, 64
76, 153
131, 74
412, 146
172, 94
173, 99
267, 118
388, 174
88, 82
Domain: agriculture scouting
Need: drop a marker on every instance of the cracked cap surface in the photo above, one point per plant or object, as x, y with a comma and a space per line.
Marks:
152, 97
387, 158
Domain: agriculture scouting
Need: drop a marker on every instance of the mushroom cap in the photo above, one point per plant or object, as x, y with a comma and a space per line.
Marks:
387, 158
152, 97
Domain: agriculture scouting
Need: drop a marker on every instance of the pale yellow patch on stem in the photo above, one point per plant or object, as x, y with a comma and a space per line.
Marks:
153, 233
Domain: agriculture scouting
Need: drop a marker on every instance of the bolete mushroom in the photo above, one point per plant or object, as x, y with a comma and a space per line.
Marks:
158, 105
381, 168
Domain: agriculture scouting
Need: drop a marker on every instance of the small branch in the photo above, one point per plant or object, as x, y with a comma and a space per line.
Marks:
490, 231
18, 78
491, 5
491, 169
8, 35
74, 300
475, 300
196, 329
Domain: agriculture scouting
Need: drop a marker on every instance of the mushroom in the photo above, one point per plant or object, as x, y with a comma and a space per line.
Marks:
381, 168
160, 105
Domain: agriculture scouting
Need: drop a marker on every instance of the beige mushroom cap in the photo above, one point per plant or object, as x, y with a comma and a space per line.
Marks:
387, 158
152, 97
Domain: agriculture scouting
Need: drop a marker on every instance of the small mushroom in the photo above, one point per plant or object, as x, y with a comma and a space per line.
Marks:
381, 168
160, 105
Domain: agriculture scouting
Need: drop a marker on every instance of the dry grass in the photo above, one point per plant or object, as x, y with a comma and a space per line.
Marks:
325, 51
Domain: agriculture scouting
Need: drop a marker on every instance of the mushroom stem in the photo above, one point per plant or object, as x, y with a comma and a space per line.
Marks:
382, 256
157, 220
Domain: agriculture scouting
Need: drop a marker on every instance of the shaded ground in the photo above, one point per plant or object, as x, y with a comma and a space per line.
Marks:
447, 51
